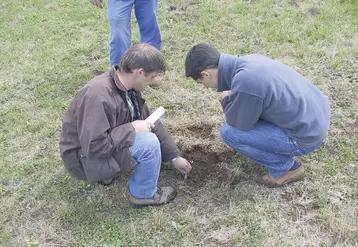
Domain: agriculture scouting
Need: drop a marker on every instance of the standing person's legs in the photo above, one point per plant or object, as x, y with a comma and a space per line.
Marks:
143, 182
146, 12
119, 17
267, 145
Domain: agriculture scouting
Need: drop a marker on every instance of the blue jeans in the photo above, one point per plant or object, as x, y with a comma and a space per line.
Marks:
119, 17
267, 145
146, 151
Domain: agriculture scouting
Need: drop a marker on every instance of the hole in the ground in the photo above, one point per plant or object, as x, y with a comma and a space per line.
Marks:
209, 166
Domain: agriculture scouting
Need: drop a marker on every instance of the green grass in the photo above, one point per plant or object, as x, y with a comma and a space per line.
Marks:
50, 49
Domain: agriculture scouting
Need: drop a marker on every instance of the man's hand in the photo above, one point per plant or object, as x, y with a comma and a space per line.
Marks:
182, 165
223, 95
97, 3
142, 126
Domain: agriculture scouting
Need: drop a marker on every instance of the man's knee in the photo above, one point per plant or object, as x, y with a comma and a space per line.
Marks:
120, 36
120, 28
230, 135
226, 133
149, 141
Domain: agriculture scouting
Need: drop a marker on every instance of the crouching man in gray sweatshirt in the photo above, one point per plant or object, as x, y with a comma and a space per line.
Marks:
272, 112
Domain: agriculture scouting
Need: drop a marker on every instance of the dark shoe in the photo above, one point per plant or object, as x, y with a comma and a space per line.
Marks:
98, 72
163, 196
107, 181
289, 177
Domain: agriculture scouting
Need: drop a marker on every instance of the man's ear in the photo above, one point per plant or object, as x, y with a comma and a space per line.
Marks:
205, 73
140, 72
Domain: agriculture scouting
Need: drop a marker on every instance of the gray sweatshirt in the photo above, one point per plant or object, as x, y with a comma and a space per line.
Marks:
266, 89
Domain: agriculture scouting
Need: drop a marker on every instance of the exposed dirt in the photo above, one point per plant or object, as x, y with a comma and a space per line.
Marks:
208, 169
208, 166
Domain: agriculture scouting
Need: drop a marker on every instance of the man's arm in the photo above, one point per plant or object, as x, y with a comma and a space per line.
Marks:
167, 145
242, 110
96, 136
169, 149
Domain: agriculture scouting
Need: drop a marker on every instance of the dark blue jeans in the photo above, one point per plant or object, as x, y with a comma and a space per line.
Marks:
267, 145
119, 16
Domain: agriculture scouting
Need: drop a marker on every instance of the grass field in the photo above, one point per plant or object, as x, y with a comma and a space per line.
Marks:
49, 49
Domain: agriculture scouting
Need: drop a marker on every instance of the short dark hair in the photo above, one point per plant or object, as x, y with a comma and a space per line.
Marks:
142, 56
200, 58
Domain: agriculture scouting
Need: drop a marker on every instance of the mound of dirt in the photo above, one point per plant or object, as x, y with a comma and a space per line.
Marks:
208, 166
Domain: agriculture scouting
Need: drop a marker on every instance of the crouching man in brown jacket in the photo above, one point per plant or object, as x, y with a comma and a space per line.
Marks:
104, 133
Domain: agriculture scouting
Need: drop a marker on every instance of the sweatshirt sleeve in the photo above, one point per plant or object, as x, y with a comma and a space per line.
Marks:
242, 110
96, 136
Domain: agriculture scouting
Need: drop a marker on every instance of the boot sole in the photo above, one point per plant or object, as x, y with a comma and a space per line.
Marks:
170, 199
299, 178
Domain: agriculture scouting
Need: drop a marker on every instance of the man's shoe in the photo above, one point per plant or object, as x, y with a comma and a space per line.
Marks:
289, 177
163, 196
157, 83
107, 181
98, 72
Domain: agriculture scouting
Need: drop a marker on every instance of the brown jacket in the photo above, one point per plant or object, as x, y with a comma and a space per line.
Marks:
96, 131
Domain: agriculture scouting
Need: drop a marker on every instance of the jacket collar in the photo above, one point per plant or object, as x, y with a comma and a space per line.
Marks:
115, 78
119, 85
227, 69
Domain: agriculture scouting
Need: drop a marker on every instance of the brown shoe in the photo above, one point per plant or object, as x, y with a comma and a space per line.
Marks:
163, 196
157, 83
289, 177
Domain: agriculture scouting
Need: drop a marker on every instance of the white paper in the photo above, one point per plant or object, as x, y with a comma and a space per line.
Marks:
156, 115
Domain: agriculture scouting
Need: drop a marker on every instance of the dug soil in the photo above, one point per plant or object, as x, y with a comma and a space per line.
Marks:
209, 167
